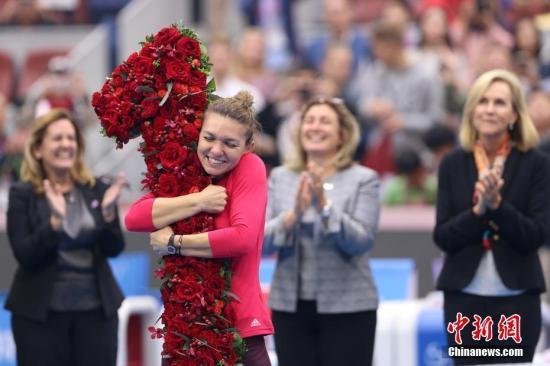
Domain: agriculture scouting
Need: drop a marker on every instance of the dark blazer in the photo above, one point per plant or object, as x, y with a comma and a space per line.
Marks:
34, 244
521, 221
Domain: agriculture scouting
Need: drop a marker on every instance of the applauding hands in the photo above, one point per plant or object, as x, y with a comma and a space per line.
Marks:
110, 198
310, 190
487, 191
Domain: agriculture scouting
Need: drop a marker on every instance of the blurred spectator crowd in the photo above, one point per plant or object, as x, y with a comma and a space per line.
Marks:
402, 67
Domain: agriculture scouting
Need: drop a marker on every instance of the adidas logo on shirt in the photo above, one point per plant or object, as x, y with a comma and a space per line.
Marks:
255, 323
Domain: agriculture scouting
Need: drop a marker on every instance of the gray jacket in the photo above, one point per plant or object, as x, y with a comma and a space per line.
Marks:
341, 274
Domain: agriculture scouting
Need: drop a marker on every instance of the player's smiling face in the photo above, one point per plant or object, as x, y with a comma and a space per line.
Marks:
222, 142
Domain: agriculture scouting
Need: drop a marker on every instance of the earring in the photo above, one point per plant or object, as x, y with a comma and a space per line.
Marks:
511, 126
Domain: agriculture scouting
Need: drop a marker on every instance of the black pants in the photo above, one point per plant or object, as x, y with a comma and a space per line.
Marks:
66, 339
527, 306
306, 338
256, 353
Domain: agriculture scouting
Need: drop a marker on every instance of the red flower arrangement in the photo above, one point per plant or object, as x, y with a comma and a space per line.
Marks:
161, 93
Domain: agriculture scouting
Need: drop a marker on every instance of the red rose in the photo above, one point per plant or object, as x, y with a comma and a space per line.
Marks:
126, 122
131, 59
190, 132
122, 68
189, 47
150, 107
169, 109
159, 124
188, 291
168, 185
177, 70
106, 88
96, 99
180, 88
166, 36
149, 50
152, 163
172, 155
111, 117
118, 80
197, 78
143, 66
199, 102
130, 92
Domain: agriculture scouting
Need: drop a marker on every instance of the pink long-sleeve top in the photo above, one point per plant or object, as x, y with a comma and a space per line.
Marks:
239, 234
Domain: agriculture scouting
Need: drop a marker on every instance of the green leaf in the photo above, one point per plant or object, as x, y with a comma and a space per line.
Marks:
231, 294
165, 98
145, 89
211, 86
149, 153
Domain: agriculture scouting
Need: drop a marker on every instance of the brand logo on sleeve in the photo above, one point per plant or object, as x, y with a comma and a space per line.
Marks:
255, 323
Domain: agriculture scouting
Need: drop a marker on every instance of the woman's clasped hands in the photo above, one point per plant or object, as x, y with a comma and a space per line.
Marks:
487, 188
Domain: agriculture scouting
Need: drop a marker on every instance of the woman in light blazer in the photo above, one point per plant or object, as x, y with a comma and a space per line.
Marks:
322, 217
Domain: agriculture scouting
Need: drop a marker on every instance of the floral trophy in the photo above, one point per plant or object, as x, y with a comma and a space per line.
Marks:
161, 93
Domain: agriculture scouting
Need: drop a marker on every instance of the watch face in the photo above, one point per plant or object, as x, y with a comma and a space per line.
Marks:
171, 249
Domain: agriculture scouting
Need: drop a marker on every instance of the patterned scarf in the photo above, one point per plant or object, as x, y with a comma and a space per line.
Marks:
483, 165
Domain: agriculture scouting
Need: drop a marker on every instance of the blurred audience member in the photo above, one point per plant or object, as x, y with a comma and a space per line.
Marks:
335, 71
397, 96
518, 9
495, 56
12, 142
250, 67
478, 29
27, 12
413, 184
538, 105
340, 29
398, 13
365, 12
229, 83
297, 88
526, 54
275, 17
451, 8
334, 81
60, 87
440, 140
438, 54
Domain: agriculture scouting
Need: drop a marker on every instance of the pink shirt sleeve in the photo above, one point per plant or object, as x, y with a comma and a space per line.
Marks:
247, 191
140, 215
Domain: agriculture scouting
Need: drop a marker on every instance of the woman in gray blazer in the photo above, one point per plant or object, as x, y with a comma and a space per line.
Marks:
322, 217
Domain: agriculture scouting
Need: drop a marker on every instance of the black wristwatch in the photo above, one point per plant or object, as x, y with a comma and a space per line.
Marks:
171, 248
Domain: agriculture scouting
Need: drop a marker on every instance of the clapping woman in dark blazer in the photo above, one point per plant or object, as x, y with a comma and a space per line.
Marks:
492, 216
62, 225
